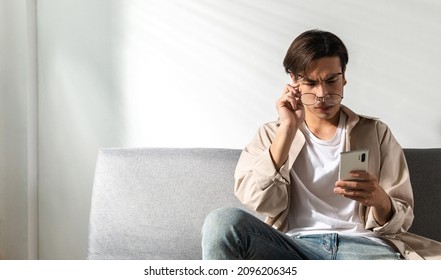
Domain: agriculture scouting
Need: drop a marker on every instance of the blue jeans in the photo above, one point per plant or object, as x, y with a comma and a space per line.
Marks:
231, 233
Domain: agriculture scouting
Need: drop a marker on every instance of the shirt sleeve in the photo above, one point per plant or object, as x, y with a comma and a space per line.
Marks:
395, 180
258, 184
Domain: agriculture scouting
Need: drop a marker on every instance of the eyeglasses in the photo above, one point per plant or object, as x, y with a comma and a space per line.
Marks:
309, 99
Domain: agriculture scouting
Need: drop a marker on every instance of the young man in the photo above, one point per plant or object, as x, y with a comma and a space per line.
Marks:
289, 173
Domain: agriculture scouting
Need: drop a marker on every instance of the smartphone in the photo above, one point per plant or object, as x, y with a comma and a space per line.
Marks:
351, 161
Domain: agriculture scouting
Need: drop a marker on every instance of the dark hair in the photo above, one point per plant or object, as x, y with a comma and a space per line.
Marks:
312, 45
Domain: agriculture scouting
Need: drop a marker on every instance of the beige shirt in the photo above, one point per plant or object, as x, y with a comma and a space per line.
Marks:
261, 188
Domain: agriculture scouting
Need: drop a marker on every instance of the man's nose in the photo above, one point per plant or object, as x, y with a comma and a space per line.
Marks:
322, 90
320, 99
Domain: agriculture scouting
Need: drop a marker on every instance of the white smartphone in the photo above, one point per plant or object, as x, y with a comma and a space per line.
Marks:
351, 161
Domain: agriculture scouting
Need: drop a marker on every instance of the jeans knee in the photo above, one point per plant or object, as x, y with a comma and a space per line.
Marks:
221, 219
224, 222
220, 232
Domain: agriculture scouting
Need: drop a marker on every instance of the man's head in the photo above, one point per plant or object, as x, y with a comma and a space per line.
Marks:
312, 45
316, 60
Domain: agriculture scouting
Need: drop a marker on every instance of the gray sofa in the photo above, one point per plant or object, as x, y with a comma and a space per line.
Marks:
150, 203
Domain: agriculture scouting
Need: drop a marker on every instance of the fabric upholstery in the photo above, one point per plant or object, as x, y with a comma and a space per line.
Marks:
425, 175
150, 203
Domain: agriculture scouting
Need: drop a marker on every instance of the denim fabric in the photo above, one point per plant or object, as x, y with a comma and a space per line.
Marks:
231, 233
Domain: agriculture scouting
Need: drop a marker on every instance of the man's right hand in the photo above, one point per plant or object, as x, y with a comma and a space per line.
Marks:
290, 109
291, 115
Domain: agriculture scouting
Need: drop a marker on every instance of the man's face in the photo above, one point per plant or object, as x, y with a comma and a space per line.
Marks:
326, 80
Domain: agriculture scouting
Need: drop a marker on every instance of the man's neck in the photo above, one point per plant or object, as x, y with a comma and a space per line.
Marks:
323, 129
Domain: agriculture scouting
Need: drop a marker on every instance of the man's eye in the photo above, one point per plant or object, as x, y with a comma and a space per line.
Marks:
331, 81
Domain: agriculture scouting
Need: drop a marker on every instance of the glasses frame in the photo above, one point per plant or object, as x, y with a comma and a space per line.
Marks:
322, 98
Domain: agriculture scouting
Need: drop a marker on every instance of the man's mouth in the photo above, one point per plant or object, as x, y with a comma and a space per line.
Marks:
323, 108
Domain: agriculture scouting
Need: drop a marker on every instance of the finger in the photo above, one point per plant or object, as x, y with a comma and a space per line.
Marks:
286, 101
355, 194
363, 175
291, 101
295, 89
296, 95
347, 184
291, 97
360, 199
360, 174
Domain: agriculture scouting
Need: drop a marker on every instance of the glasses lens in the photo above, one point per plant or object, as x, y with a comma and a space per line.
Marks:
332, 99
308, 98
329, 99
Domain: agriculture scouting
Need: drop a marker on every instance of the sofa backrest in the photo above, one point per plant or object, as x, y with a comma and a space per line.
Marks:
425, 175
150, 203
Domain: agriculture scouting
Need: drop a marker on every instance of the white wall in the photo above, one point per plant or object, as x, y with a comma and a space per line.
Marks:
201, 73
18, 134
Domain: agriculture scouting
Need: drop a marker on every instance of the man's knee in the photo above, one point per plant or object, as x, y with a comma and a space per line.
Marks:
223, 218
220, 232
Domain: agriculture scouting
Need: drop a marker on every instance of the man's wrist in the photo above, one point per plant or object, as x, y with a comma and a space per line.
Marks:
384, 211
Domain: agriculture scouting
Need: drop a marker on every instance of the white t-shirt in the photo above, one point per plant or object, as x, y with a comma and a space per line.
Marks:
314, 207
